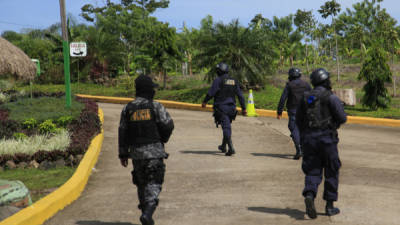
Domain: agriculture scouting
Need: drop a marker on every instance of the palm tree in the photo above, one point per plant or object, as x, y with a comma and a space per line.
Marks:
244, 49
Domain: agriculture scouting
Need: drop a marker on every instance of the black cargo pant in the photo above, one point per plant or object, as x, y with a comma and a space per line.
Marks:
148, 176
321, 157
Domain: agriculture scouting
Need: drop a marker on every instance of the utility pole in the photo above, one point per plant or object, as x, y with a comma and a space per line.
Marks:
66, 54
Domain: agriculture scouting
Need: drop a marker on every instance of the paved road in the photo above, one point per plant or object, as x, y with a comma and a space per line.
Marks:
261, 184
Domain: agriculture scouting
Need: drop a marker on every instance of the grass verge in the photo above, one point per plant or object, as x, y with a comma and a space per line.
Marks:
42, 108
39, 182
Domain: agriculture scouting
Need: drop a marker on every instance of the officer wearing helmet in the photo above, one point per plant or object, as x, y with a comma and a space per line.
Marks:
319, 116
145, 127
224, 90
292, 95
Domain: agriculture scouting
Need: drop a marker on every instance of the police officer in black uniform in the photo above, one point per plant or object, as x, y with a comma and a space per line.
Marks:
292, 95
319, 116
144, 128
224, 90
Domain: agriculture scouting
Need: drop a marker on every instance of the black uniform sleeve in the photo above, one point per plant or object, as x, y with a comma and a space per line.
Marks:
213, 90
283, 99
337, 110
123, 147
164, 122
240, 96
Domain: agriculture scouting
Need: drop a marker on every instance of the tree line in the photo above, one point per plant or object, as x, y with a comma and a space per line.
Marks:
125, 38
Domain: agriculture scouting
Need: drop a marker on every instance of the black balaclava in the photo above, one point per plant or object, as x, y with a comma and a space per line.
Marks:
147, 93
145, 87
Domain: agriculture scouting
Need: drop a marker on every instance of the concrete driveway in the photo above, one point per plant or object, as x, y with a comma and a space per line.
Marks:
261, 184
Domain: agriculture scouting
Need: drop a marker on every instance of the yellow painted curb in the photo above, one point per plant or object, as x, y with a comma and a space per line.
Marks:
46, 207
260, 112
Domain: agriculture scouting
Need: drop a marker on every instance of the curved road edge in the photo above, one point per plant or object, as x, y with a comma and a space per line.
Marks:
46, 207
260, 112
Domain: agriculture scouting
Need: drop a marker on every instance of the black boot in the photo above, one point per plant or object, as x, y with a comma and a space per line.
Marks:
231, 150
310, 207
299, 153
147, 214
223, 146
330, 210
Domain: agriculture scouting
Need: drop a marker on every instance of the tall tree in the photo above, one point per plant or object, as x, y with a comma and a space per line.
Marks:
161, 47
366, 22
305, 22
128, 21
332, 8
146, 6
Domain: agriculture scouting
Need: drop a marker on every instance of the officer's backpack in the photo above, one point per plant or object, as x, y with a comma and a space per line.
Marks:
317, 110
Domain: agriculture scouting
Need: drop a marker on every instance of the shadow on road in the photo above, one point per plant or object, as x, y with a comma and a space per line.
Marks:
201, 152
282, 156
96, 222
294, 213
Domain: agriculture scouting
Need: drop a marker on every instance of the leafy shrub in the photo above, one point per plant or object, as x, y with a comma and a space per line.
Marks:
127, 82
376, 72
4, 98
47, 127
85, 128
30, 123
64, 121
8, 128
20, 157
41, 155
19, 136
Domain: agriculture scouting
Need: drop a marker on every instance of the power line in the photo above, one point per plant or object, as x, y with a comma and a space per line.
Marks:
17, 24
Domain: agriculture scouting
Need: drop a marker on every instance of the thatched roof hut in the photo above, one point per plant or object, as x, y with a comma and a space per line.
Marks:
15, 62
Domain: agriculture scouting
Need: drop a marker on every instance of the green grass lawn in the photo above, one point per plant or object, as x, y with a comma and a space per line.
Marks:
42, 108
39, 181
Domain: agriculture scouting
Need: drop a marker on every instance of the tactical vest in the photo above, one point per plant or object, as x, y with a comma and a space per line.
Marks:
318, 114
142, 126
227, 89
297, 90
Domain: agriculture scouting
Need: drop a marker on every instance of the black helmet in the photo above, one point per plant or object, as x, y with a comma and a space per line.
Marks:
222, 68
318, 76
294, 73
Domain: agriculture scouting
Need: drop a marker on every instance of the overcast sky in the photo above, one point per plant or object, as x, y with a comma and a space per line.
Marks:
19, 14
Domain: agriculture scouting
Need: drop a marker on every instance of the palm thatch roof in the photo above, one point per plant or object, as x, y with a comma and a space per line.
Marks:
13, 61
